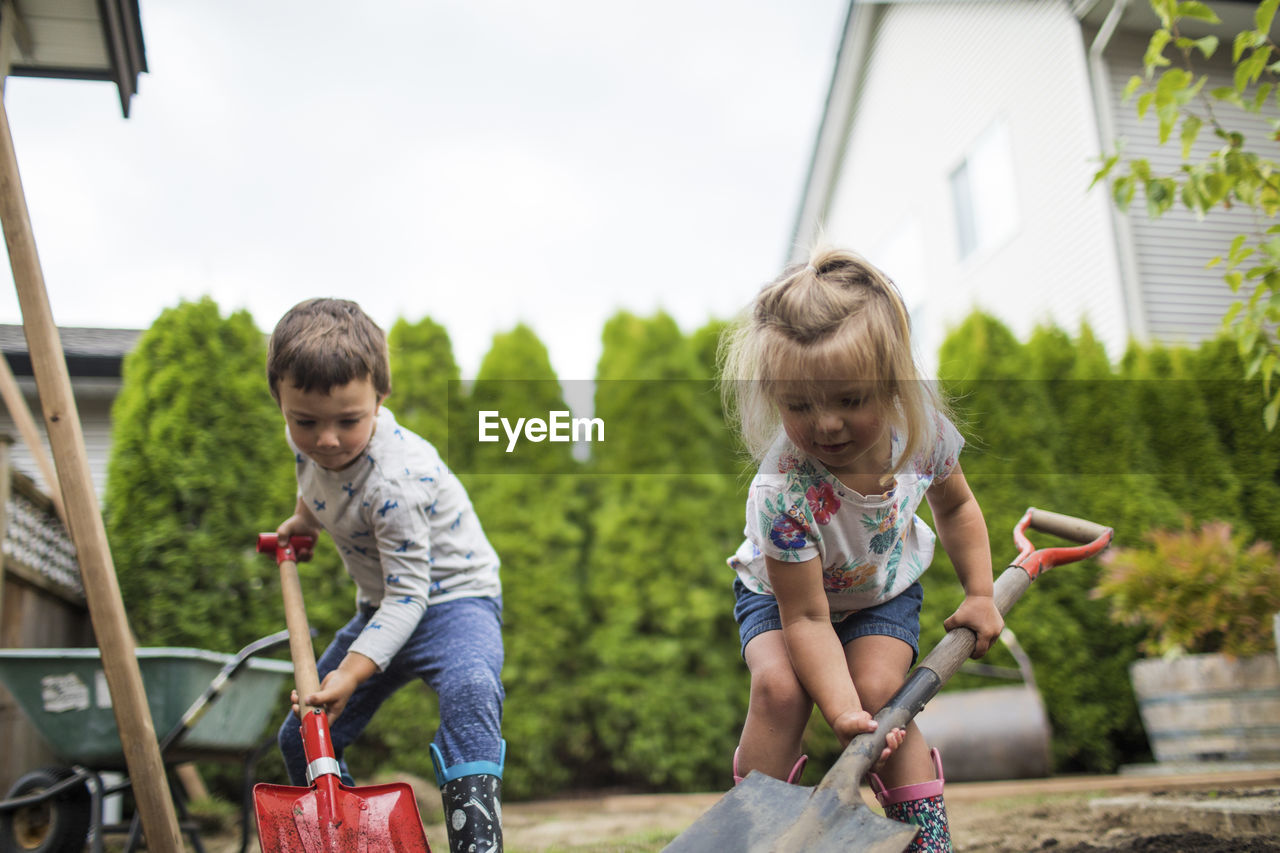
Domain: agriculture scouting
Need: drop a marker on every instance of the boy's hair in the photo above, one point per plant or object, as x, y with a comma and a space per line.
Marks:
321, 344
835, 315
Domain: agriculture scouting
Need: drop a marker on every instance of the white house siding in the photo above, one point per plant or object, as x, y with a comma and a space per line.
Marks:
1183, 301
93, 404
937, 76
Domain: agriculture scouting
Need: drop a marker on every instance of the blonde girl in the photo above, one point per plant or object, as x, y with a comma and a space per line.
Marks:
849, 441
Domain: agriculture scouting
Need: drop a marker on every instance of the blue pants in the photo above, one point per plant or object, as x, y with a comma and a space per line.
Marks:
457, 650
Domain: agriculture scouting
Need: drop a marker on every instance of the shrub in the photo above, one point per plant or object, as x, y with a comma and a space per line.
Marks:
1196, 590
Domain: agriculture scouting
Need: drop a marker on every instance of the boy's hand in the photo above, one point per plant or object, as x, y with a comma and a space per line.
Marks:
338, 685
980, 614
298, 525
334, 692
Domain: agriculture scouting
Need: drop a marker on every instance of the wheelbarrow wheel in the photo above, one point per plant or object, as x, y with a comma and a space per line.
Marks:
59, 824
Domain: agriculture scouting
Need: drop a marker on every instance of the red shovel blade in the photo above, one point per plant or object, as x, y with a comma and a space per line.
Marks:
334, 818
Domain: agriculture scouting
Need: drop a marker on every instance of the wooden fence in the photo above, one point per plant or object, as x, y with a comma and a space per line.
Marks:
42, 603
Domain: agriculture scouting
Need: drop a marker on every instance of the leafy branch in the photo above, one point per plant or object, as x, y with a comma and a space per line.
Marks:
1230, 175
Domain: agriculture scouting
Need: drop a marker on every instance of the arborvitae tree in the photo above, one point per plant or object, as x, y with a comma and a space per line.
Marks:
533, 512
667, 687
1105, 467
198, 467
1191, 465
424, 381
731, 457
1254, 452
1012, 462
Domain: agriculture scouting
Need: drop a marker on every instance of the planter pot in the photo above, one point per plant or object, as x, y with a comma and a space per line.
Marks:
1210, 707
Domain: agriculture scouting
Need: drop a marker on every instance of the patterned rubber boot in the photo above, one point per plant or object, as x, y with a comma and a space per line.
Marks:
792, 777
921, 806
473, 813
472, 803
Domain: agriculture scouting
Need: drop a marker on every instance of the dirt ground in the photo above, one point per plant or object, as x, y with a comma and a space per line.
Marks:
1189, 813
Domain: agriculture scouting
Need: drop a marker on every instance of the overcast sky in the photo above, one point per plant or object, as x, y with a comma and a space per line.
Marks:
479, 162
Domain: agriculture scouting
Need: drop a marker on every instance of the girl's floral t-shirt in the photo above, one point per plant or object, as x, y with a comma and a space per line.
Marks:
872, 548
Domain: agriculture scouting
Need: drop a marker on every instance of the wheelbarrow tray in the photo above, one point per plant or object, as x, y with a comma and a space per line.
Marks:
64, 694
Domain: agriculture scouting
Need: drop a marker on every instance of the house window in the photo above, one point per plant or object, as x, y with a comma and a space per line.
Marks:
983, 192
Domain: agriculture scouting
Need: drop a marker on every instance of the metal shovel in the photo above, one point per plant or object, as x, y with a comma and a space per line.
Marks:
766, 815
327, 816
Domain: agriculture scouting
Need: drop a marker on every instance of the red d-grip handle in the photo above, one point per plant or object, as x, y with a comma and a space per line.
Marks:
269, 543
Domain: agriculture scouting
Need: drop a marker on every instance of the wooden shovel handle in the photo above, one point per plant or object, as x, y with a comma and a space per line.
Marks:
303, 653
305, 676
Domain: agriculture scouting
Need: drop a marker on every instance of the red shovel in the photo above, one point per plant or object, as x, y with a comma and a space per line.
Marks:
328, 816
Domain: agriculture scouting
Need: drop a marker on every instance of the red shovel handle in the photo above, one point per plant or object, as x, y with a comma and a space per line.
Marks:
295, 612
1094, 539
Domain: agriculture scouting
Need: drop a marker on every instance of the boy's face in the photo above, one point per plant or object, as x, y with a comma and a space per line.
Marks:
331, 427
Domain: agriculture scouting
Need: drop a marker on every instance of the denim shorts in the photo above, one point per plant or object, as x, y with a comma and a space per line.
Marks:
899, 617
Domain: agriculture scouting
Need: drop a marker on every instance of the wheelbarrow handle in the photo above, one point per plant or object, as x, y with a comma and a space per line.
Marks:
216, 688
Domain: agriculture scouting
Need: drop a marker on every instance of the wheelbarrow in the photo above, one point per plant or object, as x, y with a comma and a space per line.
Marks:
63, 693
767, 815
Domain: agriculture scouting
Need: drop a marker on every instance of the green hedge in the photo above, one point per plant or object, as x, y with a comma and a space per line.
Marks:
622, 663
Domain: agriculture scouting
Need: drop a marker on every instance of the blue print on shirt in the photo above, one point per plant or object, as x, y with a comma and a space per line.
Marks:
388, 505
407, 599
405, 546
362, 551
375, 626
456, 522
319, 505
347, 487
431, 510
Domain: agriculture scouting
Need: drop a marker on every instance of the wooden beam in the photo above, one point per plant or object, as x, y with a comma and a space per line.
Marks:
102, 589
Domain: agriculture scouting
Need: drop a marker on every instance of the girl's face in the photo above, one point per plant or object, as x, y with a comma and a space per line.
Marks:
840, 423
332, 428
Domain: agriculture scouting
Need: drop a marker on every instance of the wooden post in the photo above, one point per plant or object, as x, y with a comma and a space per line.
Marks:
102, 590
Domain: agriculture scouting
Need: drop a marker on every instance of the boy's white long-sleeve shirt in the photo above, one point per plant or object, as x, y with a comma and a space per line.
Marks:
406, 531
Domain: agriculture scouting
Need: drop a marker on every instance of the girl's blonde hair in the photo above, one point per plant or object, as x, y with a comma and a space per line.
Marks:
836, 315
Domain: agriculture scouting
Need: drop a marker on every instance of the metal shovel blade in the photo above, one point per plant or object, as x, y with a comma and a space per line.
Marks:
767, 815
369, 819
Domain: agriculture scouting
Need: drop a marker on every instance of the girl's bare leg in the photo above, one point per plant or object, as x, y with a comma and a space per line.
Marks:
778, 712
879, 665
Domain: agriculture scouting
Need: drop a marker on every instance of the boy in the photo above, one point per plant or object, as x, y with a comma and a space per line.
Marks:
428, 597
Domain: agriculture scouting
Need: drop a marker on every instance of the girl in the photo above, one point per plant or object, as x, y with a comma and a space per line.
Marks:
849, 442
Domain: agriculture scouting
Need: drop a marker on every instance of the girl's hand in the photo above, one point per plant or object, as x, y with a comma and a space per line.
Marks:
892, 742
980, 614
850, 724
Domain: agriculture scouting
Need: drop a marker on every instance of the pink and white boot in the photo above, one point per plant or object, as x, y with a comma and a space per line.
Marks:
792, 777
919, 805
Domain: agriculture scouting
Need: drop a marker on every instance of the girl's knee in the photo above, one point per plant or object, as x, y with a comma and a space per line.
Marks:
777, 690
877, 687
